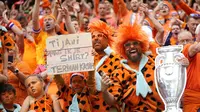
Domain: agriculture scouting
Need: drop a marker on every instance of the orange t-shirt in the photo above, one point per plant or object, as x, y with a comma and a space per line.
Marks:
193, 70
40, 41
30, 54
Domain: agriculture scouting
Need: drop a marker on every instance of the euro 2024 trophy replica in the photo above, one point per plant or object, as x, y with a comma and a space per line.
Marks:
170, 76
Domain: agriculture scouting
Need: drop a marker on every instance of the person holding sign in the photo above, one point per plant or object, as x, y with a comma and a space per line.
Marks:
38, 100
49, 29
105, 59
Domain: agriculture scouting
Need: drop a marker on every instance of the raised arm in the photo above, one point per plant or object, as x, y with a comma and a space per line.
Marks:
35, 16
120, 8
17, 31
188, 10
160, 30
194, 49
68, 23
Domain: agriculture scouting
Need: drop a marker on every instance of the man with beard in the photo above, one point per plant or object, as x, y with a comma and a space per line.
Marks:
49, 29
133, 81
105, 60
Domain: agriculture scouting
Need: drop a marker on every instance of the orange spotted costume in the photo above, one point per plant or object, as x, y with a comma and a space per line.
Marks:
7, 43
107, 63
87, 102
136, 88
44, 104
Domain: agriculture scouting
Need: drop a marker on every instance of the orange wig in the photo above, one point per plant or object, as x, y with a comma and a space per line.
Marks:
128, 32
102, 27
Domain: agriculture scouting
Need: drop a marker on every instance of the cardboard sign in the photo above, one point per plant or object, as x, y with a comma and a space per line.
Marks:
69, 53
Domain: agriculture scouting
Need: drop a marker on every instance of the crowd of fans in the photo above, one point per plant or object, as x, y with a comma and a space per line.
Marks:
125, 35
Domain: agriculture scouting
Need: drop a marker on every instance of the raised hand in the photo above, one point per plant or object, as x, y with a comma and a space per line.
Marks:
5, 18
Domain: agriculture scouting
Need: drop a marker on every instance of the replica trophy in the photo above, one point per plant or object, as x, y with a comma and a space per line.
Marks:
170, 76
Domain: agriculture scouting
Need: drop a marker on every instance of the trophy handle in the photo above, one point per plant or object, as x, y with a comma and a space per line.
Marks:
159, 60
178, 56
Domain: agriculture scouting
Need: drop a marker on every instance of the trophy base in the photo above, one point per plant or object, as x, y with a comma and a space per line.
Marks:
173, 109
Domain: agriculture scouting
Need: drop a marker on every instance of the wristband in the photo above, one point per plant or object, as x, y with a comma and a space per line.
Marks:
11, 25
16, 71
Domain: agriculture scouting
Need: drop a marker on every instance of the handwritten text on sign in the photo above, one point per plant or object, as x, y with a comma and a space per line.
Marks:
69, 53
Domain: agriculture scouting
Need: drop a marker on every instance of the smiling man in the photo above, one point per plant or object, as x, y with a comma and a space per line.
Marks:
133, 81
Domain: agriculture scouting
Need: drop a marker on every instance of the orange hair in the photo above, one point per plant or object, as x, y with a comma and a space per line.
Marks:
128, 32
102, 27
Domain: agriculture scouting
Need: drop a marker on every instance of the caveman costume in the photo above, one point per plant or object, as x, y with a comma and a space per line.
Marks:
107, 63
44, 104
84, 101
135, 88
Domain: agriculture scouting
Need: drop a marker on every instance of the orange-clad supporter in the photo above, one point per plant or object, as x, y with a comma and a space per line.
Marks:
38, 100
192, 91
81, 95
15, 29
133, 81
25, 47
30, 54
105, 60
102, 14
6, 44
124, 15
49, 29
147, 23
172, 38
164, 12
18, 70
19, 38
188, 10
